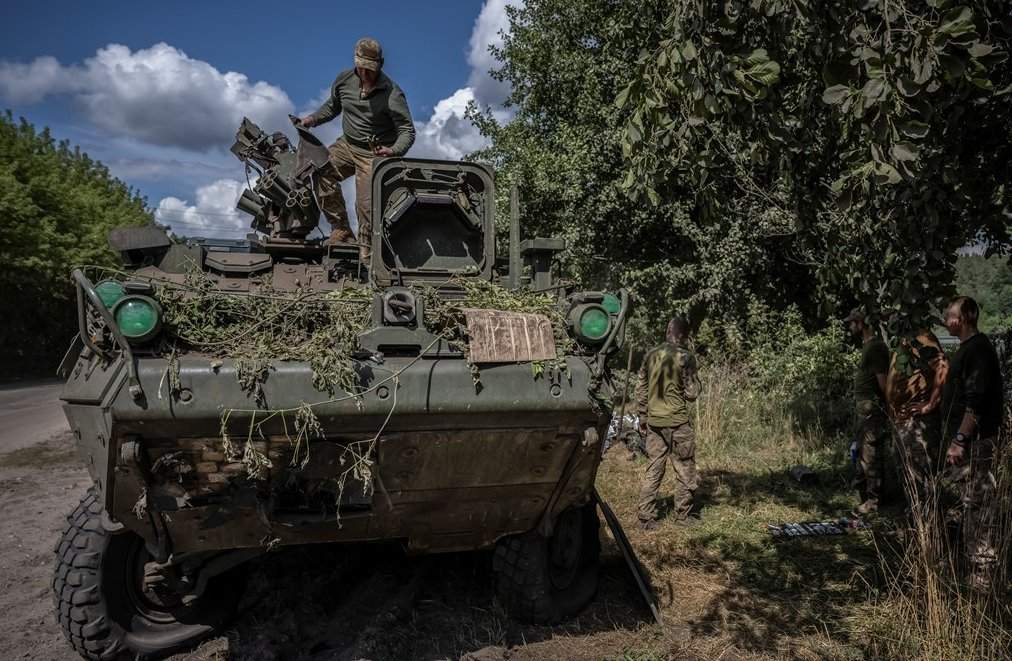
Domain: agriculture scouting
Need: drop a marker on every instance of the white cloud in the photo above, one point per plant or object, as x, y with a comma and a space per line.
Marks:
448, 133
213, 215
158, 95
488, 29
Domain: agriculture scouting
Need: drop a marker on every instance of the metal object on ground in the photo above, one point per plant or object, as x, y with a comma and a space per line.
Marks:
631, 561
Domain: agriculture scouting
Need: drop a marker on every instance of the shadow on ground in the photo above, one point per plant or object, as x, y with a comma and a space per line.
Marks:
375, 602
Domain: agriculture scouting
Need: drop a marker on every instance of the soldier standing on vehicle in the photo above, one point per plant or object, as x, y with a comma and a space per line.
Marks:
872, 422
972, 406
375, 122
917, 373
668, 379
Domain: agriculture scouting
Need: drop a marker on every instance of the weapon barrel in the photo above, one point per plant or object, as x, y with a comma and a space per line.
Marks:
251, 203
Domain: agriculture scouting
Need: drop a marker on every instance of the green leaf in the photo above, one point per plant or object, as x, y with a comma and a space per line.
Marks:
835, 95
980, 49
957, 22
953, 66
874, 90
886, 174
689, 51
623, 97
914, 129
905, 151
983, 83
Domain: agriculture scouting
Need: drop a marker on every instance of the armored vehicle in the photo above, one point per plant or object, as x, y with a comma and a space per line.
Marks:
490, 438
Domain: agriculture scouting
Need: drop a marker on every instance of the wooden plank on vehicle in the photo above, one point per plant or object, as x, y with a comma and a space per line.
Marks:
509, 337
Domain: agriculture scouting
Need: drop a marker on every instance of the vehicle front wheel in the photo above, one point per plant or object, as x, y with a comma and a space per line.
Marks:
105, 607
545, 580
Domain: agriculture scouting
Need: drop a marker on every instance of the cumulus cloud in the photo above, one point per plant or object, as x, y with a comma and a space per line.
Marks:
448, 133
489, 27
213, 215
158, 95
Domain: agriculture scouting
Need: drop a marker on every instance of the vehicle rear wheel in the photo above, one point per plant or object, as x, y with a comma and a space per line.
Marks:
545, 580
105, 608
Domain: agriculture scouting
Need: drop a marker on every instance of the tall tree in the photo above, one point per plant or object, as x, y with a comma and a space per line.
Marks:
56, 207
719, 154
876, 134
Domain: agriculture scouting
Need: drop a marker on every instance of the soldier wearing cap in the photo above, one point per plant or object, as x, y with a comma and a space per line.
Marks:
668, 380
872, 423
376, 122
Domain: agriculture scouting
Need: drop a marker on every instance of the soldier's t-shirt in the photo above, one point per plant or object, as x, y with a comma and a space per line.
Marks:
917, 364
974, 384
874, 360
667, 380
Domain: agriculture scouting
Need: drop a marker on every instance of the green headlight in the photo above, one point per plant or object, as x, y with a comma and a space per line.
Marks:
611, 303
110, 292
138, 317
590, 322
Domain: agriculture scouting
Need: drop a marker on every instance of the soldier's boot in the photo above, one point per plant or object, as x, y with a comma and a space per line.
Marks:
340, 235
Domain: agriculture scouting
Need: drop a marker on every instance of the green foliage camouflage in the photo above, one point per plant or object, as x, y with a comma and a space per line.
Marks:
56, 207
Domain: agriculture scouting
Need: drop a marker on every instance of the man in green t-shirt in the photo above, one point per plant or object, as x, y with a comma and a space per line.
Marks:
375, 122
667, 381
872, 422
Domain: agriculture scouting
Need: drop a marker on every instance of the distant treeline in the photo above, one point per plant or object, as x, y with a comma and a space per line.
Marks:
56, 207
989, 281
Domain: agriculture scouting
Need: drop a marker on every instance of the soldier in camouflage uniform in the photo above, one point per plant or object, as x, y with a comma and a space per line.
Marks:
972, 410
872, 422
667, 381
376, 122
917, 372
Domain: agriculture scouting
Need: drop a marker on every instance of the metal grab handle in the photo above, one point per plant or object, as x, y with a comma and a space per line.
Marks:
85, 289
619, 327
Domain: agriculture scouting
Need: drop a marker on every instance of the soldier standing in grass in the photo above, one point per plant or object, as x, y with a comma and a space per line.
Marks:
667, 381
873, 424
375, 122
917, 373
972, 408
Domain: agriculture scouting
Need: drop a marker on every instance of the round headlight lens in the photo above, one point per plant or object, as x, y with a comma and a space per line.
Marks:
138, 317
110, 292
594, 323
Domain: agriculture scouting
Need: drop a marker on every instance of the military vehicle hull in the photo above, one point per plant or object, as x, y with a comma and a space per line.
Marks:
450, 472
465, 427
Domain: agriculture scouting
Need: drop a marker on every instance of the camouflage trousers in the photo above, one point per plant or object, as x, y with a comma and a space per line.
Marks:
980, 508
677, 444
347, 160
917, 444
873, 436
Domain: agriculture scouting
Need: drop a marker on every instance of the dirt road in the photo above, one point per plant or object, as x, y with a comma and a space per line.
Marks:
29, 413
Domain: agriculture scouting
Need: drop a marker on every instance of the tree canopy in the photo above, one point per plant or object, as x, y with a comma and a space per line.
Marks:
712, 155
56, 208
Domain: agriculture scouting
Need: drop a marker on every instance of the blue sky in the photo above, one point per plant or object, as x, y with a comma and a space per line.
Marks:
156, 90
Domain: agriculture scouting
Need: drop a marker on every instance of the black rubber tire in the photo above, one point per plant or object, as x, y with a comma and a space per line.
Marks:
93, 601
524, 573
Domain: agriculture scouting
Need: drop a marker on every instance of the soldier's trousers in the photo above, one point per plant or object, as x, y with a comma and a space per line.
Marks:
917, 441
980, 510
873, 436
347, 160
677, 444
